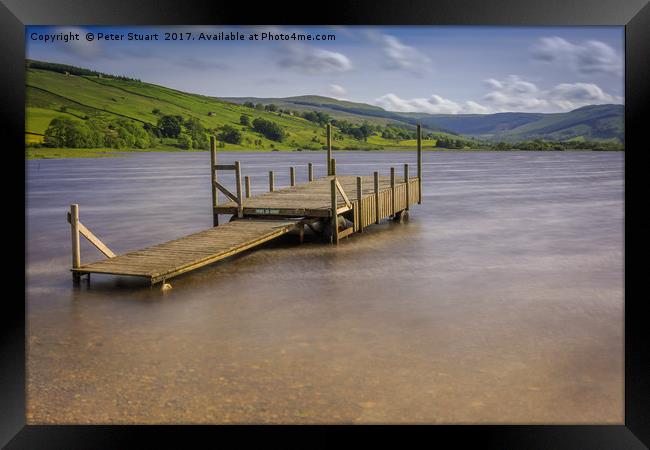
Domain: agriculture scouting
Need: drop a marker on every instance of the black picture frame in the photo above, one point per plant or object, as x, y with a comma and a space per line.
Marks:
633, 14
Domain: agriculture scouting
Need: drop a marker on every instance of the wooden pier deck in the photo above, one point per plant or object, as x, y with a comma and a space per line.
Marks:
334, 206
169, 259
312, 199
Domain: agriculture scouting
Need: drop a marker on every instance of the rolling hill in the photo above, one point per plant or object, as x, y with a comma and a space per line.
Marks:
83, 96
594, 122
80, 95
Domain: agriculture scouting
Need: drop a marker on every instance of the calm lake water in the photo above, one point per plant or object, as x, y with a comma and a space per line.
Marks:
501, 301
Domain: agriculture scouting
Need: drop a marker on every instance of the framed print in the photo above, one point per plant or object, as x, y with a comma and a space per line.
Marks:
373, 214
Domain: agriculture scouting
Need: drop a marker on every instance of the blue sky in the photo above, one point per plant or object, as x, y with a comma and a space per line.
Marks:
434, 69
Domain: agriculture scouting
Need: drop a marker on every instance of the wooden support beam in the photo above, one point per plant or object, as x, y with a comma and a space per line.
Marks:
333, 168
419, 164
240, 201
247, 184
343, 194
392, 191
85, 232
335, 217
310, 172
406, 181
226, 192
74, 227
292, 175
359, 203
376, 180
213, 174
345, 233
329, 149
224, 167
95, 241
271, 181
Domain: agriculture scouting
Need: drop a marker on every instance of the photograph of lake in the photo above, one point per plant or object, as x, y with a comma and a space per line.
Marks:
324, 225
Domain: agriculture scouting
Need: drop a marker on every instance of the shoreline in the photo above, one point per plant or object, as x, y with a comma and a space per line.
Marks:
37, 153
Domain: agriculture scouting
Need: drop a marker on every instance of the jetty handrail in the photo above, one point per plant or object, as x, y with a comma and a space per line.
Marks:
216, 186
77, 228
343, 194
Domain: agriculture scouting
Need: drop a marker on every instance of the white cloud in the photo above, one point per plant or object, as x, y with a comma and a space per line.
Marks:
568, 96
399, 56
588, 57
337, 90
314, 61
512, 94
432, 105
515, 94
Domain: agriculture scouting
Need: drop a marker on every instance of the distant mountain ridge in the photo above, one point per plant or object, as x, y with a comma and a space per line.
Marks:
592, 122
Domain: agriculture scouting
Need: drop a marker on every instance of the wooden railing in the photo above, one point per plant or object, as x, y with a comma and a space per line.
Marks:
79, 229
372, 208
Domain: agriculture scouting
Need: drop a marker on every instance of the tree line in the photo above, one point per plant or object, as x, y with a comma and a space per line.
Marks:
73, 70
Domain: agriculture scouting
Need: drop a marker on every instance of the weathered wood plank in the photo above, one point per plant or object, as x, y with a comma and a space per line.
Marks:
343, 194
95, 240
225, 191
181, 255
224, 167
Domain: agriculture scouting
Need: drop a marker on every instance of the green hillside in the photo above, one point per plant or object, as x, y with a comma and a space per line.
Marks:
51, 95
70, 107
342, 109
107, 104
592, 123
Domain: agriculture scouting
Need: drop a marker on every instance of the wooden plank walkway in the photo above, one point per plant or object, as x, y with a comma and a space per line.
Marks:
169, 259
334, 206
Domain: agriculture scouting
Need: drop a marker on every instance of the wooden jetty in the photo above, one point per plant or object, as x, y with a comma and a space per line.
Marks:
334, 206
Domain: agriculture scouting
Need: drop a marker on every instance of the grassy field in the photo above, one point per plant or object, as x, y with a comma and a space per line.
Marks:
52, 94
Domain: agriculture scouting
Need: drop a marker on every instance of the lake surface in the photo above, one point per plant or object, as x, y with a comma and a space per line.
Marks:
500, 301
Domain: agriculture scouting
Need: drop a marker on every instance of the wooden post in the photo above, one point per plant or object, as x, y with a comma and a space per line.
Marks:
247, 183
335, 216
310, 172
240, 202
271, 181
377, 218
215, 194
419, 164
76, 247
406, 180
292, 175
329, 149
333, 168
392, 191
359, 207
